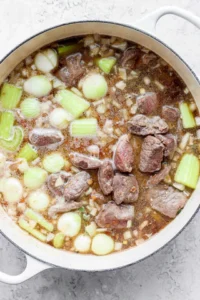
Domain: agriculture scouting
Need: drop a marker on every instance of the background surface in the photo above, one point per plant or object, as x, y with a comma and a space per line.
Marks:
174, 272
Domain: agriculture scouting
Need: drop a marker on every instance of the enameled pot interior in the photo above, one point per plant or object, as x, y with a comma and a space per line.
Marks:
66, 259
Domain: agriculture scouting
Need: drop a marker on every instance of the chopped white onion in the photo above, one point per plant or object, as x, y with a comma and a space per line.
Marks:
38, 86
120, 85
179, 186
69, 224
82, 243
91, 229
94, 150
59, 118
38, 200
12, 190
102, 244
118, 246
46, 60
147, 80
127, 235
197, 119
159, 85
184, 141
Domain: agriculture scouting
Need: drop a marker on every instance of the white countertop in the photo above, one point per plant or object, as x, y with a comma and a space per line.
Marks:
174, 272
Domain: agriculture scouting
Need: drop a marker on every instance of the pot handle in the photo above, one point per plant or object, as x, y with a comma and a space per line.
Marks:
33, 267
148, 23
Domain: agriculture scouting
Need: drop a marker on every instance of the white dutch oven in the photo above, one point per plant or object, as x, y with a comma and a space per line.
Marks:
41, 256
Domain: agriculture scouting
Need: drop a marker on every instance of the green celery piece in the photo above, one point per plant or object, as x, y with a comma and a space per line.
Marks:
68, 49
187, 116
31, 214
6, 125
84, 128
106, 64
188, 169
58, 240
13, 144
36, 233
72, 103
28, 152
10, 96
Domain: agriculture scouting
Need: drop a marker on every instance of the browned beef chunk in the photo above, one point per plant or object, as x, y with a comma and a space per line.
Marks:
166, 200
56, 183
130, 57
123, 155
114, 216
146, 58
105, 177
84, 161
72, 71
63, 207
143, 125
169, 141
151, 155
46, 137
76, 186
147, 103
170, 113
157, 178
125, 188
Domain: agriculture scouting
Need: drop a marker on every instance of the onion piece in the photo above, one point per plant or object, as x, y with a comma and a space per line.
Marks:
82, 243
34, 177
46, 60
59, 118
102, 244
38, 86
30, 108
53, 162
95, 87
12, 190
69, 224
38, 200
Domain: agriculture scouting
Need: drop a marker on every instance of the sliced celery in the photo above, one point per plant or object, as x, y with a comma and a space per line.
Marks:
72, 103
84, 128
68, 49
31, 214
187, 116
28, 152
13, 145
106, 63
187, 172
36, 233
58, 240
10, 96
6, 125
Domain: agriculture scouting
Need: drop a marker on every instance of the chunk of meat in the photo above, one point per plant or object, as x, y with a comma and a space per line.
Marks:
46, 137
125, 188
76, 186
166, 200
72, 71
114, 216
169, 141
146, 58
84, 161
123, 155
105, 177
56, 182
130, 57
157, 178
63, 207
170, 114
151, 155
143, 125
147, 103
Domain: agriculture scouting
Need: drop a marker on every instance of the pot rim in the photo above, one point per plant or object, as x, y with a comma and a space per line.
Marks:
121, 265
